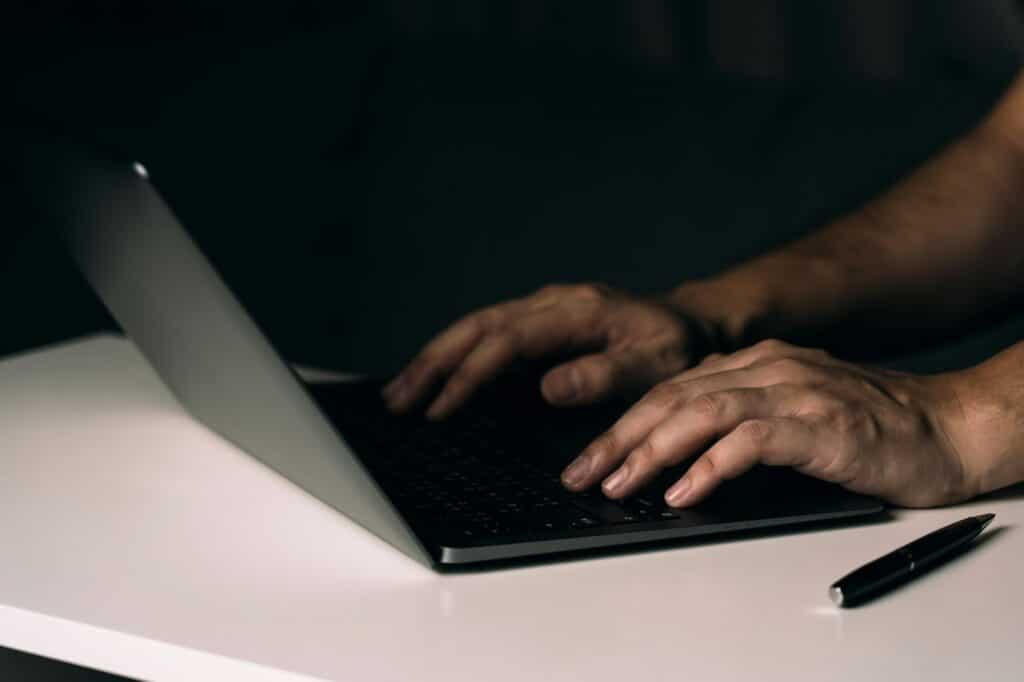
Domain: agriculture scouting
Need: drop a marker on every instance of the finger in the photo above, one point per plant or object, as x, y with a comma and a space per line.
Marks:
689, 430
485, 361
608, 449
594, 377
780, 441
658, 405
439, 357
529, 335
448, 351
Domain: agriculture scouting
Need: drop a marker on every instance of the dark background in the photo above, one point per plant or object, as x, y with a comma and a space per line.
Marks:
364, 172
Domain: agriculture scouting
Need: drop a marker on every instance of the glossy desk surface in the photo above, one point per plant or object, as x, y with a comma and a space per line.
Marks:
138, 542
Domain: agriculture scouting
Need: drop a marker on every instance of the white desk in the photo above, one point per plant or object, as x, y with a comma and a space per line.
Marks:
136, 541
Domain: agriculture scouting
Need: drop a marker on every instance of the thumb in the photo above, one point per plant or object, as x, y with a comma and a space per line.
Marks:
595, 377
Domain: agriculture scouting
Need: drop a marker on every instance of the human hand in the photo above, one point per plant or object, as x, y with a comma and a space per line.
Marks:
872, 431
627, 344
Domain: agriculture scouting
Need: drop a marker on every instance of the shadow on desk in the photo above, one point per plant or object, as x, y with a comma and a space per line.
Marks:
1012, 492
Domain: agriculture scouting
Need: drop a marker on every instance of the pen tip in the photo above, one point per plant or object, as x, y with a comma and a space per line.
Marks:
985, 519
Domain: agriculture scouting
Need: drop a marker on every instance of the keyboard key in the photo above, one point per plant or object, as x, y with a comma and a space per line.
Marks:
464, 477
550, 524
585, 522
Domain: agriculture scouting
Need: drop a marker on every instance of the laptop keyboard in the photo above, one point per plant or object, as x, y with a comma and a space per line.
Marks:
466, 478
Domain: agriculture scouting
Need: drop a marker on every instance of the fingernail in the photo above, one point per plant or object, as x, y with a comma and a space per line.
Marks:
676, 495
575, 473
614, 482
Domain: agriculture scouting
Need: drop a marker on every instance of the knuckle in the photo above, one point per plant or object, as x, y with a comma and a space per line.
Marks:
817, 402
793, 370
756, 432
847, 422
551, 289
658, 447
590, 291
664, 396
424, 364
488, 319
845, 454
605, 445
582, 314
771, 346
474, 323
510, 338
644, 456
594, 374
705, 467
709, 405
460, 382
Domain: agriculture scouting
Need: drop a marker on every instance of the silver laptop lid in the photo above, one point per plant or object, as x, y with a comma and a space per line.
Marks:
195, 333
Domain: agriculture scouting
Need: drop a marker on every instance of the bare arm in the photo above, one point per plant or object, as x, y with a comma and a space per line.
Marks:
942, 248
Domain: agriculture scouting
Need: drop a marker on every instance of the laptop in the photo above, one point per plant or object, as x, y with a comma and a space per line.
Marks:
479, 488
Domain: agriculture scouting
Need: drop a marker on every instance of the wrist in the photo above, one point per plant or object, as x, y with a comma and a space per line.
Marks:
981, 423
725, 313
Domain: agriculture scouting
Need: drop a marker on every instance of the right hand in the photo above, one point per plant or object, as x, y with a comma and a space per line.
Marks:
627, 345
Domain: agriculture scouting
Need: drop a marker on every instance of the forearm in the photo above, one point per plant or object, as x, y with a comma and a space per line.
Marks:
941, 247
985, 420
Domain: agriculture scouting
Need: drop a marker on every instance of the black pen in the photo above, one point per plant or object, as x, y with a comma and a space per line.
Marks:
872, 579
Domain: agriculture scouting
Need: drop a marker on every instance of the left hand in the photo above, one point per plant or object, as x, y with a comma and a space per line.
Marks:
872, 431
